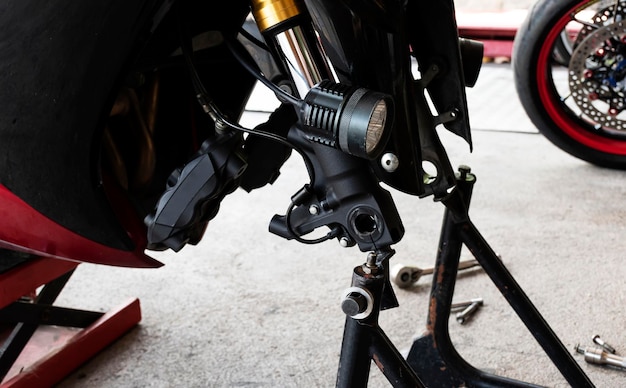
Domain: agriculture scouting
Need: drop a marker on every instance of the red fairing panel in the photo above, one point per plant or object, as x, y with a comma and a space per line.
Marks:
23, 228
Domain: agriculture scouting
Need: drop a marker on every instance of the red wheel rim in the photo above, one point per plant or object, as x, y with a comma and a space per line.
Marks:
556, 109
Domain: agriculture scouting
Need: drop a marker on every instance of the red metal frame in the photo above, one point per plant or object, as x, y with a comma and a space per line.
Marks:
54, 352
495, 29
51, 367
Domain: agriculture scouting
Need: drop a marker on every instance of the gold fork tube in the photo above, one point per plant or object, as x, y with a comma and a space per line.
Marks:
269, 13
288, 29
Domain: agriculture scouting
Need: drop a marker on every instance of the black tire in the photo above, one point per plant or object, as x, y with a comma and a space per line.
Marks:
61, 72
577, 124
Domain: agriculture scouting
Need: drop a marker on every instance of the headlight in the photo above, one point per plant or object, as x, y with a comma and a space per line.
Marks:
355, 120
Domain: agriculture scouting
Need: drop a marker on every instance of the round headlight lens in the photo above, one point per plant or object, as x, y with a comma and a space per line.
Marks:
376, 126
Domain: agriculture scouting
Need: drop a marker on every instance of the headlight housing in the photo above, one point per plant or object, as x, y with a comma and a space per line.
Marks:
354, 120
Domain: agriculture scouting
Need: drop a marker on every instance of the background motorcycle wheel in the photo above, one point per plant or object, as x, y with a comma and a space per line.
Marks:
581, 117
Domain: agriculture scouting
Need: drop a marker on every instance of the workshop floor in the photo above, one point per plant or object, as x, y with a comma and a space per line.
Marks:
247, 308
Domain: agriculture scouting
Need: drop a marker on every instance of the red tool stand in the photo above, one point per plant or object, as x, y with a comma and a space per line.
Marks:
495, 29
43, 343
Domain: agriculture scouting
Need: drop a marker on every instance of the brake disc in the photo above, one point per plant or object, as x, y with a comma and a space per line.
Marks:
608, 11
597, 76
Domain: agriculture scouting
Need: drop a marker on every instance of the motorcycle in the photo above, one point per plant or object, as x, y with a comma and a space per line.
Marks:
568, 61
120, 136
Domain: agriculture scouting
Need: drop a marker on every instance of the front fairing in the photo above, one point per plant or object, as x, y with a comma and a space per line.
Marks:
434, 39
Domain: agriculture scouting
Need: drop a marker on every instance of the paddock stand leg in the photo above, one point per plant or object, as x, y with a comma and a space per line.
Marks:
22, 332
41, 343
364, 341
433, 356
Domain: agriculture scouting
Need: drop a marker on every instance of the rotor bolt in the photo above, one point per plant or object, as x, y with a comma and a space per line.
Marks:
588, 73
600, 52
613, 112
593, 96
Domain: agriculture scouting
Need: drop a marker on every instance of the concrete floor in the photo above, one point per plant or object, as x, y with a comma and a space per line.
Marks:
246, 308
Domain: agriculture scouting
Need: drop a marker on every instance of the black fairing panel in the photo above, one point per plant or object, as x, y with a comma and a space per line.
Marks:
369, 44
59, 62
434, 38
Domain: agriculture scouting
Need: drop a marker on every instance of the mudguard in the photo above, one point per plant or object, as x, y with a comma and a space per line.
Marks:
59, 63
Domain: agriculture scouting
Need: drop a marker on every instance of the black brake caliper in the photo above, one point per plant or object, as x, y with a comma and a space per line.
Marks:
194, 193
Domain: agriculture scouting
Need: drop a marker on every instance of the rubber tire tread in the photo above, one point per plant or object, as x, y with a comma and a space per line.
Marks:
541, 18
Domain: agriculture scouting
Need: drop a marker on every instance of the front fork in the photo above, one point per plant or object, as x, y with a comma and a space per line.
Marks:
344, 194
290, 36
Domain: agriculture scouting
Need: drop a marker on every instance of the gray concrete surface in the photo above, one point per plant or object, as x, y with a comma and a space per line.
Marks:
248, 309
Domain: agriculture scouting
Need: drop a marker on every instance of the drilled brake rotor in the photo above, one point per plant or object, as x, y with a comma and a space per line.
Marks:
608, 12
597, 76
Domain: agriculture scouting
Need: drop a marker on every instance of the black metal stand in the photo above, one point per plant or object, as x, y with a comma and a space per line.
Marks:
433, 361
363, 339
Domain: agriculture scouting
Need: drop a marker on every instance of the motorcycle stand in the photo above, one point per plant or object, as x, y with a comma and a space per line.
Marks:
432, 360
